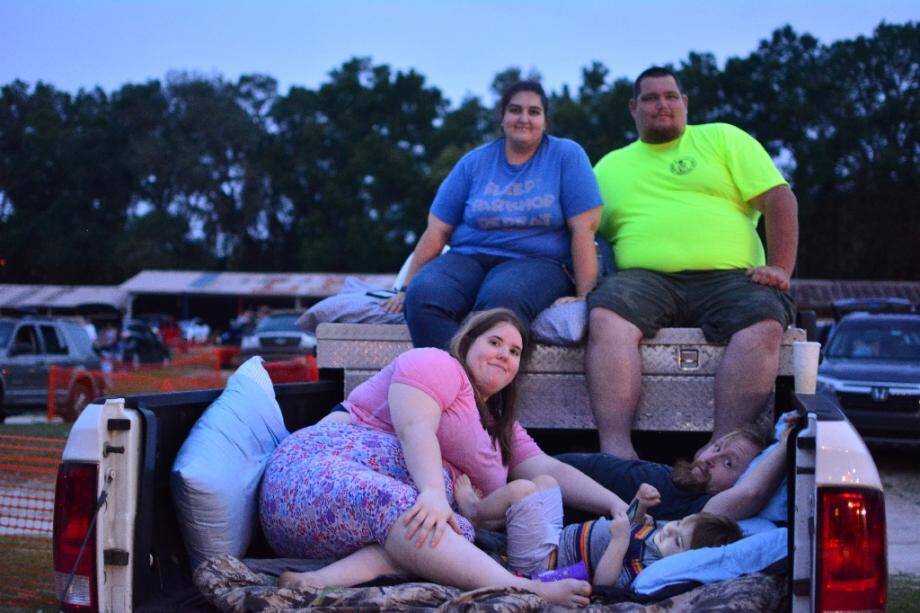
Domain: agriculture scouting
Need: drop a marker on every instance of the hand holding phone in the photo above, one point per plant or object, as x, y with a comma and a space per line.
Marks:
632, 510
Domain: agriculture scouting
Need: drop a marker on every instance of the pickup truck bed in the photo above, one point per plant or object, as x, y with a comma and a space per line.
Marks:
164, 581
828, 465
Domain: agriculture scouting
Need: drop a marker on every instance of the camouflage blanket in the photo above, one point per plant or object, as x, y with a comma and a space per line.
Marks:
230, 585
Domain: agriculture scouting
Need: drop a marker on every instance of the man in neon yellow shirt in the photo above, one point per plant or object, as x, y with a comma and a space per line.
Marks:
681, 207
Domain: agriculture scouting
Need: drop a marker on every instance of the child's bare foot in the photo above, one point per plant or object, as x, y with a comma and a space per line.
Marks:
466, 497
292, 580
567, 592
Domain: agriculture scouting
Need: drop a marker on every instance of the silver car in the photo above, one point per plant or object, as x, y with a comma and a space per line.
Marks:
29, 347
276, 337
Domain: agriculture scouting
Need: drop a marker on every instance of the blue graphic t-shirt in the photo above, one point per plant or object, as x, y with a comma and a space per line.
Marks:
509, 210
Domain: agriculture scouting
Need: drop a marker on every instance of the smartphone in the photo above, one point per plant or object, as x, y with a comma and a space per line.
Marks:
632, 510
382, 293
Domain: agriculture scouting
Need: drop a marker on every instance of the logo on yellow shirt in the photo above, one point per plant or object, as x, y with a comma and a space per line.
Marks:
682, 166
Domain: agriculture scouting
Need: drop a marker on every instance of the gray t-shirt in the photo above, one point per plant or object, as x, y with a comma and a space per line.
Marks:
589, 540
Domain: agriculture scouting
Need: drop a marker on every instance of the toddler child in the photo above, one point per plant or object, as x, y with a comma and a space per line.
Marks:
606, 552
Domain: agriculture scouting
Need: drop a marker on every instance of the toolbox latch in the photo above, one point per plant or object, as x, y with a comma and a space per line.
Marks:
688, 359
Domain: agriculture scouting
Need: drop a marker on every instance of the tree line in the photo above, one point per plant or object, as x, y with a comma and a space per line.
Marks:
197, 172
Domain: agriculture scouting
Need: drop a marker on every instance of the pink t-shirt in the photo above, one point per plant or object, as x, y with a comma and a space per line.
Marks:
466, 447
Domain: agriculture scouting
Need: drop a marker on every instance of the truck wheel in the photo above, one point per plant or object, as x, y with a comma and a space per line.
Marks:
80, 395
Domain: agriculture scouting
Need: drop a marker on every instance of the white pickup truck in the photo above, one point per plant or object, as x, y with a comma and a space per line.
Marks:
117, 544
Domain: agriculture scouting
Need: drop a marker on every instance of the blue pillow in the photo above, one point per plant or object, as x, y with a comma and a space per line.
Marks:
775, 509
711, 564
216, 475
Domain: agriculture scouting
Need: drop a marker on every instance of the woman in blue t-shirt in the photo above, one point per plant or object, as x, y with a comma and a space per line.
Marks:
515, 212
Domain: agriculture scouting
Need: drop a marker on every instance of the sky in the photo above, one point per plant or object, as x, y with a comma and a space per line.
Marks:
457, 45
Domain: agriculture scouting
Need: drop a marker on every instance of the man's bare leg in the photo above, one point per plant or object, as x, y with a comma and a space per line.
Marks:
614, 372
746, 375
366, 564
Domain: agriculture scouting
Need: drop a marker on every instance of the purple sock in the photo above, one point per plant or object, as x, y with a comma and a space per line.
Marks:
575, 571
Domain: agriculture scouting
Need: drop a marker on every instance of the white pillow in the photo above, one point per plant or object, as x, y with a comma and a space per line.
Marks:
561, 325
216, 475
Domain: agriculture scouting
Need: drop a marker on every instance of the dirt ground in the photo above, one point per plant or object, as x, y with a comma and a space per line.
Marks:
900, 473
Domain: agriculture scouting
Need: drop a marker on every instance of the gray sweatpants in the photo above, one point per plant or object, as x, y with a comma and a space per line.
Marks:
533, 526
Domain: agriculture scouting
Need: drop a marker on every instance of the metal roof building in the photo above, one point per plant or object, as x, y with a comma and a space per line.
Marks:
303, 285
302, 288
57, 298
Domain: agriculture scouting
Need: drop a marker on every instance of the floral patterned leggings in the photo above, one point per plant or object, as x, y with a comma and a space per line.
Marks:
329, 490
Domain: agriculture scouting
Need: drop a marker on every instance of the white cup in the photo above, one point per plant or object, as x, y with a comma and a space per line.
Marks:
805, 356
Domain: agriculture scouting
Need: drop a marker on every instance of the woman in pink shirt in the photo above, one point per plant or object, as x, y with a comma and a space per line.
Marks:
375, 484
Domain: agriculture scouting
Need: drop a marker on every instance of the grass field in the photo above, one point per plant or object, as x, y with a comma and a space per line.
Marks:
25, 575
53, 430
903, 593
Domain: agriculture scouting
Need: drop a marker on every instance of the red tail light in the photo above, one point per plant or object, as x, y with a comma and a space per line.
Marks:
74, 507
852, 550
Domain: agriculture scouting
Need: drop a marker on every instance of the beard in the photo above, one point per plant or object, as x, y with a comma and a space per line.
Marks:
684, 477
657, 136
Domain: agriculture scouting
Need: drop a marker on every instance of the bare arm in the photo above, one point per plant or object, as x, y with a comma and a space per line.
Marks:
429, 246
578, 489
582, 227
747, 497
780, 212
611, 563
415, 417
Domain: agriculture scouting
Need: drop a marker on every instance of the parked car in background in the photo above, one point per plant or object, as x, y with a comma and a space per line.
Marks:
139, 344
164, 326
29, 347
871, 365
276, 337
195, 330
845, 306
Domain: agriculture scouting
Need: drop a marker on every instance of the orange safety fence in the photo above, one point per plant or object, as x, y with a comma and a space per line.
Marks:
28, 468
67, 387
296, 370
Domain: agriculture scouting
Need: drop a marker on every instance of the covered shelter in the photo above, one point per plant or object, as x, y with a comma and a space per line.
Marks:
96, 302
219, 296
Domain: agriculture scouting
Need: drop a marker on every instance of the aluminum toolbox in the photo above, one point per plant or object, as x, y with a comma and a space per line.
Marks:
678, 370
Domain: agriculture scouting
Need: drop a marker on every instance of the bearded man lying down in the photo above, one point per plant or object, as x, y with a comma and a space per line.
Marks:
708, 483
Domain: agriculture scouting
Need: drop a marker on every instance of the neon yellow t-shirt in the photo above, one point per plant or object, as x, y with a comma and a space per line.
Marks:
685, 205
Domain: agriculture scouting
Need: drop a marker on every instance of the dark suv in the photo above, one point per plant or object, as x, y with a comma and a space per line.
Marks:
29, 347
871, 364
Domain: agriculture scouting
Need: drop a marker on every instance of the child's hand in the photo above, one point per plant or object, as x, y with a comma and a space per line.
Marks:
619, 525
648, 496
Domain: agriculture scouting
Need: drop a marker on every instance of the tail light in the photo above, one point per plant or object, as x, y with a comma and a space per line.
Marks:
852, 558
74, 509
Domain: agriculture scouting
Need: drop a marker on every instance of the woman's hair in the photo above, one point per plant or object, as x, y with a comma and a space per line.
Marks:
710, 530
497, 414
524, 86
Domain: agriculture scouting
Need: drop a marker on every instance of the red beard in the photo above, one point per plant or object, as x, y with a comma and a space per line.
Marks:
684, 477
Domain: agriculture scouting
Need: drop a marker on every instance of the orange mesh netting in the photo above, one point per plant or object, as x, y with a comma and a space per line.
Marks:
28, 467
191, 371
